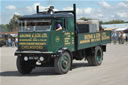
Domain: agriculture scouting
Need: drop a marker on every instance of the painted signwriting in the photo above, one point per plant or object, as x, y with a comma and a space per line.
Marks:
33, 35
31, 47
31, 43
32, 40
69, 38
94, 37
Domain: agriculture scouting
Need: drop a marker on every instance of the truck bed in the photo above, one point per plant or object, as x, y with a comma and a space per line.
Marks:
86, 40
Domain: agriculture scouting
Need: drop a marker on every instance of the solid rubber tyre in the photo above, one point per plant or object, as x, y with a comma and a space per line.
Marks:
62, 63
23, 66
96, 58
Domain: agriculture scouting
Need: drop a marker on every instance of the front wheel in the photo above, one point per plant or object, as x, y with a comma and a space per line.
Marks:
63, 63
23, 66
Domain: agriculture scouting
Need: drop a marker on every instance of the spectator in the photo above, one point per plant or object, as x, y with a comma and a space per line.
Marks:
13, 42
9, 42
16, 42
114, 37
120, 37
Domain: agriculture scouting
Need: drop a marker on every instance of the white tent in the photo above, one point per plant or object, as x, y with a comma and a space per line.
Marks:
121, 29
13, 35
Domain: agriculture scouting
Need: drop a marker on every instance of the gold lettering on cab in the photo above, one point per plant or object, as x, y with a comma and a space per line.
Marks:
33, 35
24, 35
33, 40
31, 47
30, 43
36, 35
44, 35
67, 39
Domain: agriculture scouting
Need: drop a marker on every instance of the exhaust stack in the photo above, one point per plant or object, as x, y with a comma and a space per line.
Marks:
37, 9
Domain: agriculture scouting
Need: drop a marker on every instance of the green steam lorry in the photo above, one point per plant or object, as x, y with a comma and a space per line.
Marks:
40, 45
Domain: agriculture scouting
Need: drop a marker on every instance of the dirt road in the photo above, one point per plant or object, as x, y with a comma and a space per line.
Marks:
113, 71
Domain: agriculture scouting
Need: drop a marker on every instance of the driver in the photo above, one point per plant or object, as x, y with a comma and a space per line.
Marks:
59, 27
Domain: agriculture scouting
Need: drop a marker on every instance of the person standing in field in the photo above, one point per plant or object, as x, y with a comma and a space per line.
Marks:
114, 37
9, 42
13, 42
120, 38
16, 41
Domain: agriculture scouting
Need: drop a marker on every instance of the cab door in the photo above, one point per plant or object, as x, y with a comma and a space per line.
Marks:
58, 36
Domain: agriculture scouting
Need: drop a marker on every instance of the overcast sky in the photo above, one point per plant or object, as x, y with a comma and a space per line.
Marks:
97, 9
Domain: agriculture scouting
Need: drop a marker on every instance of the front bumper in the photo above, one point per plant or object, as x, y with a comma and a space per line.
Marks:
32, 52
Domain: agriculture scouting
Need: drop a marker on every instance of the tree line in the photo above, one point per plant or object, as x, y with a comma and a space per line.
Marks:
106, 22
13, 25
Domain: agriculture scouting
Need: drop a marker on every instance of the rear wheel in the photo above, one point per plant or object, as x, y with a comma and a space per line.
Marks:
96, 58
63, 63
23, 67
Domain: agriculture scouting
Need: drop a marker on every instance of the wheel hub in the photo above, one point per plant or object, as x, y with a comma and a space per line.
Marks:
64, 62
99, 59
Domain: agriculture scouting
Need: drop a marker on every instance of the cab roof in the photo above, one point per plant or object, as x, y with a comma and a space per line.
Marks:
46, 16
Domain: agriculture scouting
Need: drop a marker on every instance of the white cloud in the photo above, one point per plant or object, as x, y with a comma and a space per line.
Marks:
100, 15
40, 7
122, 14
88, 10
112, 16
123, 4
104, 12
32, 9
108, 12
68, 8
79, 11
11, 7
104, 4
16, 13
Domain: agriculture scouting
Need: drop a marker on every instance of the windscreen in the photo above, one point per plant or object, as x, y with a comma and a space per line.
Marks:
34, 25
